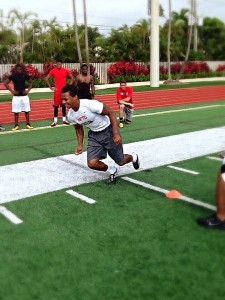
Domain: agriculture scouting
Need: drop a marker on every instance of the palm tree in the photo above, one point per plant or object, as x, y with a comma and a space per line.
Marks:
76, 31
189, 42
14, 16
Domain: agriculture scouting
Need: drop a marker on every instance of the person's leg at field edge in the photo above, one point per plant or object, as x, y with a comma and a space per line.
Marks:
16, 118
121, 114
55, 120
217, 220
27, 116
98, 165
64, 121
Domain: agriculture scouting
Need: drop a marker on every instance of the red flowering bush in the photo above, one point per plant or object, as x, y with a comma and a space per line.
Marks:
220, 68
124, 69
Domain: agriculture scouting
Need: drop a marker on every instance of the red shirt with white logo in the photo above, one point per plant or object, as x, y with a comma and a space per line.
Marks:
122, 94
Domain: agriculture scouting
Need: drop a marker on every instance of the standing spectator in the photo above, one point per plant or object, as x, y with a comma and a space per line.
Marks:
60, 76
85, 83
20, 100
217, 220
124, 96
103, 136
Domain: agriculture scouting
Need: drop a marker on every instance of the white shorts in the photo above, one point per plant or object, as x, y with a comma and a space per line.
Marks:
20, 103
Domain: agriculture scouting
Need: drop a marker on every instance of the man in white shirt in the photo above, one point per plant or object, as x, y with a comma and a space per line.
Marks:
103, 137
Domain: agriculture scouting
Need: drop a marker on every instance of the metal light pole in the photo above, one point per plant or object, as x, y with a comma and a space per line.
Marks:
154, 64
86, 35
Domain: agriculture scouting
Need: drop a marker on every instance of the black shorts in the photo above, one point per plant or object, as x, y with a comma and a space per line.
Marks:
101, 143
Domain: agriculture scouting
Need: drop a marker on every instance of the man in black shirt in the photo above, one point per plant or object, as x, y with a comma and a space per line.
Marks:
20, 100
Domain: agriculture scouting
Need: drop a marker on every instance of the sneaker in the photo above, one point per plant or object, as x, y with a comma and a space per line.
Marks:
136, 163
121, 125
127, 122
112, 178
66, 123
2, 128
29, 126
54, 124
15, 128
211, 222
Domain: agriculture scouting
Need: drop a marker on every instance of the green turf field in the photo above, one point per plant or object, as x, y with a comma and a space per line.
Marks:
134, 243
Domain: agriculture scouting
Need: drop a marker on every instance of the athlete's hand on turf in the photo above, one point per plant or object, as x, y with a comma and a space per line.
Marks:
78, 151
117, 138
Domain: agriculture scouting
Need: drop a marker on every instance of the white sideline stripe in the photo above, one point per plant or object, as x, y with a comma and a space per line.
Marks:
183, 170
178, 110
214, 158
163, 191
152, 153
134, 116
10, 216
35, 128
81, 197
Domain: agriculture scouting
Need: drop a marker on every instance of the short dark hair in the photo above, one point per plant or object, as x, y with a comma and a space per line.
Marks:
19, 66
123, 81
71, 88
84, 65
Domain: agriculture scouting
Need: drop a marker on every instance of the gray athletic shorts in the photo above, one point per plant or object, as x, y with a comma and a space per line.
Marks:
128, 113
101, 143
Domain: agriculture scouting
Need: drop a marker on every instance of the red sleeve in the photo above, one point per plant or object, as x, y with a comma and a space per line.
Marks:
130, 92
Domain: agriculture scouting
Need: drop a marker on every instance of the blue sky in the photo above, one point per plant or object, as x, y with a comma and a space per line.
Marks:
108, 14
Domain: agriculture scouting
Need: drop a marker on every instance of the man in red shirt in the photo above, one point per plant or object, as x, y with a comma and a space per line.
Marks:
60, 76
124, 96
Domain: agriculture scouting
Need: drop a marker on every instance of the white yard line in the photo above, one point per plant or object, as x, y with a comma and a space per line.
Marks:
10, 216
183, 170
163, 191
81, 197
135, 116
214, 158
177, 110
32, 178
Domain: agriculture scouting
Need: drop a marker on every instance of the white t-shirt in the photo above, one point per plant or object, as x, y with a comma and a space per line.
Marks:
89, 114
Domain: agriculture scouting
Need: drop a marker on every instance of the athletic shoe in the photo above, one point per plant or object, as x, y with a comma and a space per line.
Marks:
127, 122
121, 125
29, 126
15, 128
136, 163
211, 222
54, 124
66, 123
112, 178
2, 128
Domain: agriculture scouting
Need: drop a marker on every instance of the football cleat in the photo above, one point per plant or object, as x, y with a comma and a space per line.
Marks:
29, 126
112, 177
54, 124
211, 222
66, 123
136, 163
15, 128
